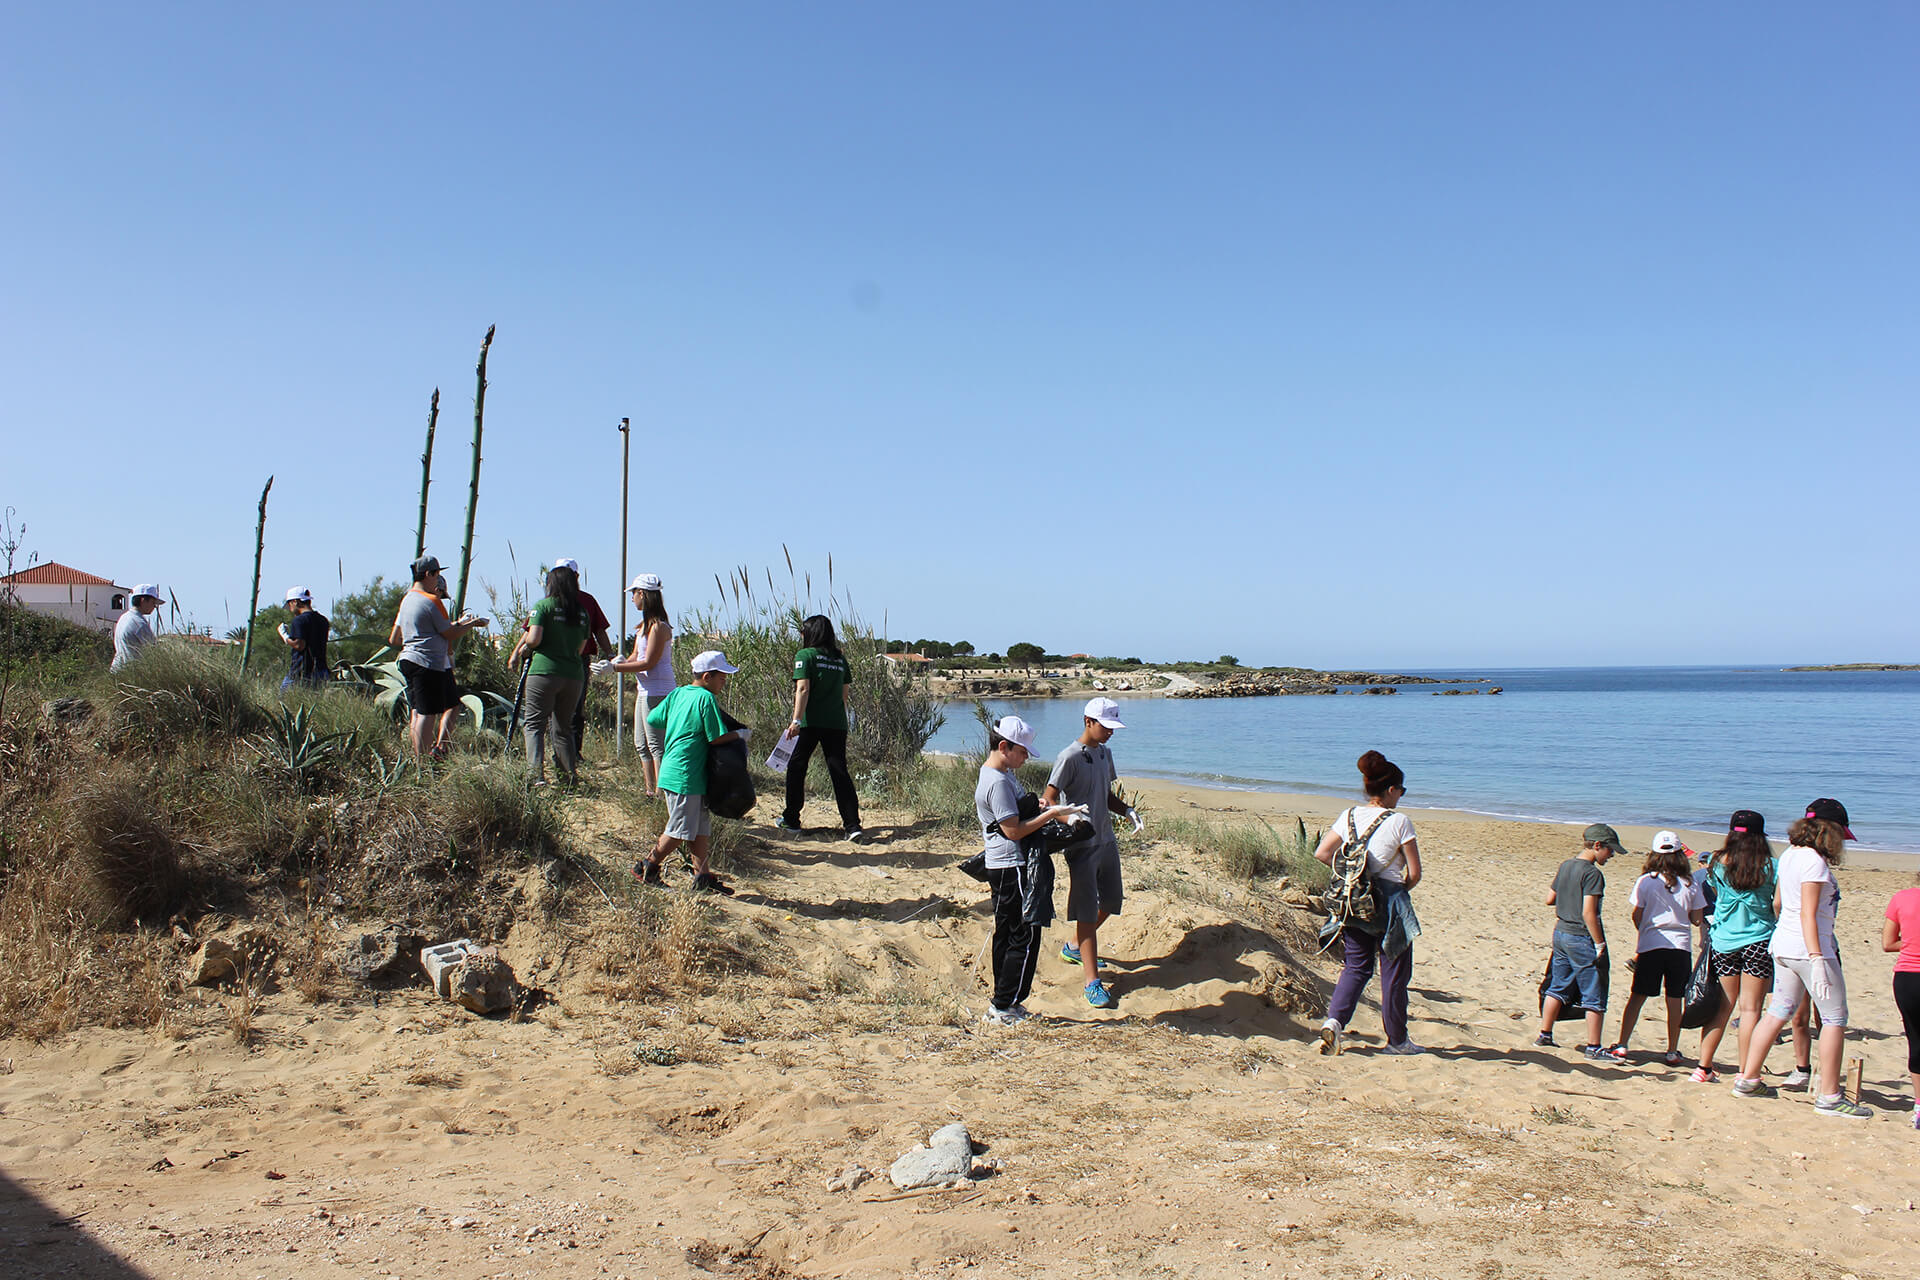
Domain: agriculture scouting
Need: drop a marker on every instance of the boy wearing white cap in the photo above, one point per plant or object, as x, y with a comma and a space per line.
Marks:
305, 633
133, 632
688, 720
996, 801
1083, 774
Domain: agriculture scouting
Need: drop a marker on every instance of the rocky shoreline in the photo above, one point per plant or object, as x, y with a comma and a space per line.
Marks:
1275, 684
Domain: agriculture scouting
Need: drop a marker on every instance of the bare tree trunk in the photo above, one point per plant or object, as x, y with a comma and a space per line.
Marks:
473, 487
426, 475
253, 601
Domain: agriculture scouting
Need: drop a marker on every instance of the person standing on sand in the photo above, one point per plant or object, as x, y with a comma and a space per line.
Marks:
688, 720
1393, 868
1666, 906
424, 635
1083, 774
652, 665
822, 683
134, 632
598, 642
1902, 934
1579, 940
305, 634
1805, 960
555, 636
1740, 880
996, 802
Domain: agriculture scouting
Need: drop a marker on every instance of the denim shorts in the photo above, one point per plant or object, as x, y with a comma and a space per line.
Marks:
1575, 976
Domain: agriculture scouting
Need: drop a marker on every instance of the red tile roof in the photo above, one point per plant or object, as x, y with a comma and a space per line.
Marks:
53, 573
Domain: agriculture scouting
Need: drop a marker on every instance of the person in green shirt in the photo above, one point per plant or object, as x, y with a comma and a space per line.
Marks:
822, 683
556, 632
688, 721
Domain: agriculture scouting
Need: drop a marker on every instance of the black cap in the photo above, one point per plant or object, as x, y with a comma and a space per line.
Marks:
424, 566
1748, 821
1831, 811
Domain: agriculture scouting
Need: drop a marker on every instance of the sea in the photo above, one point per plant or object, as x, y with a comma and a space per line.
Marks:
1659, 746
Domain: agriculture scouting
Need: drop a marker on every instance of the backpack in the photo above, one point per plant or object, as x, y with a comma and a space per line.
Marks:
1350, 898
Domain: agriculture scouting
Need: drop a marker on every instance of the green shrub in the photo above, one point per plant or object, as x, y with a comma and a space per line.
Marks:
1249, 850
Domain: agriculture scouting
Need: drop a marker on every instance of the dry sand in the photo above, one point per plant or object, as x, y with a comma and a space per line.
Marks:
1194, 1132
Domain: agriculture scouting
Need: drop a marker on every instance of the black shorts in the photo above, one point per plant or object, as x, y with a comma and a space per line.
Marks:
429, 692
1663, 964
1752, 961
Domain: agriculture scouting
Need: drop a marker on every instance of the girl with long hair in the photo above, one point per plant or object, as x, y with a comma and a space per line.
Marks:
652, 663
1806, 963
557, 630
1740, 879
1666, 906
1393, 868
822, 685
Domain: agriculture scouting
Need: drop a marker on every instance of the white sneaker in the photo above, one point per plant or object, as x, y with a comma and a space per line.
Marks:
1023, 1011
1330, 1037
1796, 1079
1001, 1017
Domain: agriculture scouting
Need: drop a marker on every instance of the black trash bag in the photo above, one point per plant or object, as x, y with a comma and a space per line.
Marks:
729, 783
1604, 965
1704, 993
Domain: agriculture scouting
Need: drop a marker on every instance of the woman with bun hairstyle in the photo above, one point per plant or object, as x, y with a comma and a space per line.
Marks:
1393, 866
1740, 881
652, 664
1805, 961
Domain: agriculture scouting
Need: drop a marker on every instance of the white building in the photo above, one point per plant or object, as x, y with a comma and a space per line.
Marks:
69, 594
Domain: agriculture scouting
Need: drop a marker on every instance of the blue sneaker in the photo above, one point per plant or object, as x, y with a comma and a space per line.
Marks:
1071, 954
1100, 996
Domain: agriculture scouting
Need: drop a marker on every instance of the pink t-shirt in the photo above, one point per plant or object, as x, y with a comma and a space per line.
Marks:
1905, 908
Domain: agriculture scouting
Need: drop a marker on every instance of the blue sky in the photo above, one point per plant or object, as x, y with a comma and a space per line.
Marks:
1394, 336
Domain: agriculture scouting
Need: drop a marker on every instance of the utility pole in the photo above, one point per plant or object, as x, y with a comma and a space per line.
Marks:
620, 677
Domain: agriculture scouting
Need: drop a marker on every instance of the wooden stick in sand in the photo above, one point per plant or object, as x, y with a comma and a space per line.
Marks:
1856, 1067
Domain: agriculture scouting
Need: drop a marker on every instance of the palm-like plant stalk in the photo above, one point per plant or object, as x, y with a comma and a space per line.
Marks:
473, 486
253, 601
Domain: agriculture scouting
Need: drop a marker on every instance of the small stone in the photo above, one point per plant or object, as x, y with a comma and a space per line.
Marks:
849, 1178
482, 983
387, 956
232, 956
947, 1159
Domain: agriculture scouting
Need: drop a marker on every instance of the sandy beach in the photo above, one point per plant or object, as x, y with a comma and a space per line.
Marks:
1192, 1132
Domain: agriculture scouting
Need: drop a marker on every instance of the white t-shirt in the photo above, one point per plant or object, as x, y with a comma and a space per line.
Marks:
1385, 861
132, 633
1801, 867
1666, 915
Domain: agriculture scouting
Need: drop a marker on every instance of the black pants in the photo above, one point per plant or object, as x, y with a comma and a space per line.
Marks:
1016, 944
1906, 995
832, 744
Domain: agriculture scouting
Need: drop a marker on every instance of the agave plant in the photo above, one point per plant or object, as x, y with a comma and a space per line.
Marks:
293, 746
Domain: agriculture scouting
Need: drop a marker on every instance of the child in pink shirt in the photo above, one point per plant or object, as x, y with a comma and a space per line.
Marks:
1902, 934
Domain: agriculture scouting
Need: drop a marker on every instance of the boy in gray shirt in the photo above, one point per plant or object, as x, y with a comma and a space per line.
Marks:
1083, 774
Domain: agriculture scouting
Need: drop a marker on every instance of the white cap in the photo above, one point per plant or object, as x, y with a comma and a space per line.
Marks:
1666, 842
1016, 731
1106, 711
300, 593
148, 589
712, 660
645, 582
566, 562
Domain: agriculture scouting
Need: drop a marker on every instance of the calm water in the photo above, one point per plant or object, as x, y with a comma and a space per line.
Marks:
1663, 746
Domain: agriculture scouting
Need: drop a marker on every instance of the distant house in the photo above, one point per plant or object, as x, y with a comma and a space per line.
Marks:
908, 661
70, 594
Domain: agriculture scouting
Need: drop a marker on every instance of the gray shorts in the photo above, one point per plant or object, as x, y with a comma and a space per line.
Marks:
1093, 885
1791, 986
688, 817
647, 739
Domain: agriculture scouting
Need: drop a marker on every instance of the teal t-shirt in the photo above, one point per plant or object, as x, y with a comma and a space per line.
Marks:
826, 697
688, 720
559, 651
1741, 917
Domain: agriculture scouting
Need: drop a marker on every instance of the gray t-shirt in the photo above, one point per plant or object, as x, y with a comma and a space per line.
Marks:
996, 798
423, 623
132, 633
1577, 880
1082, 774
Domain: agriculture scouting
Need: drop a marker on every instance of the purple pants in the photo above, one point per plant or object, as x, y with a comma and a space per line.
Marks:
1362, 951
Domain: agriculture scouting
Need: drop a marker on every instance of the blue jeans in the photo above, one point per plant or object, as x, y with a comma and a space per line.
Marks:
1575, 976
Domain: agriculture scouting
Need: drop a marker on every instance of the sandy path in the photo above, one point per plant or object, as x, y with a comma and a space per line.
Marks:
1192, 1133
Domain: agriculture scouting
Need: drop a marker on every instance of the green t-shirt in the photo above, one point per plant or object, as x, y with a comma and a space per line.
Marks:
826, 701
688, 720
558, 653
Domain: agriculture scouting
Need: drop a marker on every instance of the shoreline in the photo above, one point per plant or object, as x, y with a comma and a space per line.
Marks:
1309, 804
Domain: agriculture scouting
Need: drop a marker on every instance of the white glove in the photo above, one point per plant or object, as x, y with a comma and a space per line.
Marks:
1820, 980
601, 667
1134, 818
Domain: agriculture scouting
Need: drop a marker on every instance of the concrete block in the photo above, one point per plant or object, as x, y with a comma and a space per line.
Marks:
439, 961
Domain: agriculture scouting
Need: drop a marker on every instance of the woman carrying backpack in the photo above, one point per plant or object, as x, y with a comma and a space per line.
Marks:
1375, 860
1740, 881
557, 630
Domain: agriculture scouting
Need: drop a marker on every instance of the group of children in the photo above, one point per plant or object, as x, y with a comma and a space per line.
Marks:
1768, 925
